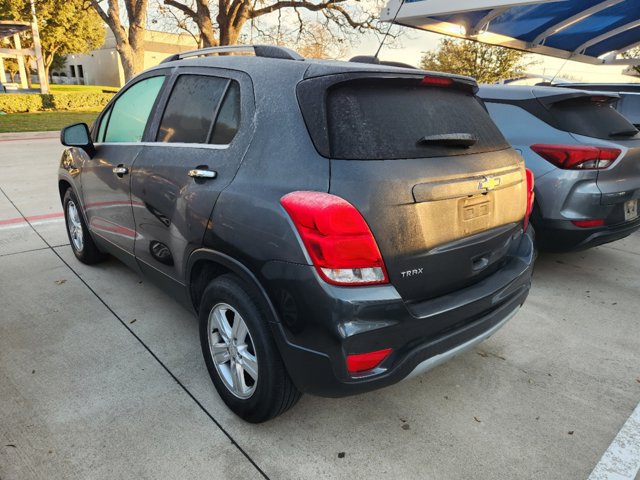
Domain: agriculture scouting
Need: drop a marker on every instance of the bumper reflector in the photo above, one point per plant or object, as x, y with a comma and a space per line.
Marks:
361, 362
596, 222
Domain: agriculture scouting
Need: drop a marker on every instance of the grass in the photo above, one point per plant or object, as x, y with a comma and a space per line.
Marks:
43, 121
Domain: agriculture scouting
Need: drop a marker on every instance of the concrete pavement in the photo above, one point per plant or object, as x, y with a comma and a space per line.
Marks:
101, 374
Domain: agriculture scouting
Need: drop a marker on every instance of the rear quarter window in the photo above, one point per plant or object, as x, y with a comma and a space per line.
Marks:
629, 107
381, 119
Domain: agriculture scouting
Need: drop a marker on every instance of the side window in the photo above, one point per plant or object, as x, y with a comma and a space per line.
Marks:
103, 126
190, 116
129, 115
228, 119
190, 110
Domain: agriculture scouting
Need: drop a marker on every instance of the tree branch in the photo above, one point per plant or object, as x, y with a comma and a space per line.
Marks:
313, 7
96, 6
182, 7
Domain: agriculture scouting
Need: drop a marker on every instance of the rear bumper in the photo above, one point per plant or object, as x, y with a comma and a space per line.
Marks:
422, 335
563, 236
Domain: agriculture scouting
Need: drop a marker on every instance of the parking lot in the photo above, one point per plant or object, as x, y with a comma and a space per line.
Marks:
101, 374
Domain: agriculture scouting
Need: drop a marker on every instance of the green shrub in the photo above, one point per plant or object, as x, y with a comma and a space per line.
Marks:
79, 100
19, 103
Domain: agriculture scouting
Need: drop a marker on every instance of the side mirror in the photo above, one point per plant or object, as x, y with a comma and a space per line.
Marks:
77, 135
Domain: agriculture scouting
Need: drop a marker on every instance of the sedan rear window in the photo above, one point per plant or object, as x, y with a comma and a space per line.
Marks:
592, 117
392, 119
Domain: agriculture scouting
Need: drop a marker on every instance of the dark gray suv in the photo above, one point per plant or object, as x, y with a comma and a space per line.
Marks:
337, 226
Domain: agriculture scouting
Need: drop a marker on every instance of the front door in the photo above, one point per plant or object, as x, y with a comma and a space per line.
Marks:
200, 141
106, 178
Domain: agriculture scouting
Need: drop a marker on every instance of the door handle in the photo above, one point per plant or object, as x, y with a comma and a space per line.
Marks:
197, 173
120, 170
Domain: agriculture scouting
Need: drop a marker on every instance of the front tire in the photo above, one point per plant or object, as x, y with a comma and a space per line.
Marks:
80, 239
240, 353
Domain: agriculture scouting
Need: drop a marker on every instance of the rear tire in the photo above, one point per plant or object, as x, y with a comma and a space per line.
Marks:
240, 353
80, 239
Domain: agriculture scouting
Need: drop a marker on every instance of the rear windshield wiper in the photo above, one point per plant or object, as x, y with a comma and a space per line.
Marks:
459, 140
624, 133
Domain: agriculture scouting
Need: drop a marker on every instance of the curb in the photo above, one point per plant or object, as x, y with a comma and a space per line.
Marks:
30, 135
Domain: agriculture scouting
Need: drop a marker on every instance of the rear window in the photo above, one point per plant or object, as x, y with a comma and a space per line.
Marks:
387, 118
592, 117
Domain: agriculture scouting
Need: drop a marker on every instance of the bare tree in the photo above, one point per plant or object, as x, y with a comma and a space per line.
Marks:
232, 15
129, 40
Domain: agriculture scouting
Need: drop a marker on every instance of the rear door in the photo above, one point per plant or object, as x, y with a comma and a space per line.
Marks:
440, 188
106, 176
201, 135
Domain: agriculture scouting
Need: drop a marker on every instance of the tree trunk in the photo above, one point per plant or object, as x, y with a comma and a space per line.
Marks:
205, 25
129, 43
229, 28
132, 60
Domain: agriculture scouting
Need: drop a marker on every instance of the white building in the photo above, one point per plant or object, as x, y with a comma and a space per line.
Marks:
103, 66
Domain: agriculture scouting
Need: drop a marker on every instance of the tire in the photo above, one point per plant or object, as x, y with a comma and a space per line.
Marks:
261, 388
80, 239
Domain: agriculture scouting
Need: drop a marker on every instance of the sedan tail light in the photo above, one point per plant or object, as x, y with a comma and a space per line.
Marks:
574, 157
338, 240
530, 197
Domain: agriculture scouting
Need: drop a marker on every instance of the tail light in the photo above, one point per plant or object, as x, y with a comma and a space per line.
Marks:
363, 362
337, 238
530, 197
573, 157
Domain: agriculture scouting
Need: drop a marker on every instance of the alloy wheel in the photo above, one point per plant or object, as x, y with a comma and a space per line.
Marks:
233, 350
74, 225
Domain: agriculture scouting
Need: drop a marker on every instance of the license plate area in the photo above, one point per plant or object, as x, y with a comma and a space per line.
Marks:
476, 212
630, 210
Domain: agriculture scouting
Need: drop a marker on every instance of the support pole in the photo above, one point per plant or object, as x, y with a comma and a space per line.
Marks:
21, 68
42, 76
3, 77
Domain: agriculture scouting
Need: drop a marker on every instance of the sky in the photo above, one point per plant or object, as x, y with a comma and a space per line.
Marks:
415, 41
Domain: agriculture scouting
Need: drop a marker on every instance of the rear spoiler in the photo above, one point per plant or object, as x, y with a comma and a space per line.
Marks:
551, 100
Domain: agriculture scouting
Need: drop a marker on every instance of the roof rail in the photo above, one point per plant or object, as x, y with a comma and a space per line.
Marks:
375, 61
268, 51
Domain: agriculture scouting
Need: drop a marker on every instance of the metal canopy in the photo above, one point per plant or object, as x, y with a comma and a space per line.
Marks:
591, 31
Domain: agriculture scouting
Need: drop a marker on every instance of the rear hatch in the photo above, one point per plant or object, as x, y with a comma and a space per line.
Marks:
440, 188
590, 115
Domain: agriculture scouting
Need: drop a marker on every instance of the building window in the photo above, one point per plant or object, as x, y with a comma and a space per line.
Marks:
73, 70
80, 71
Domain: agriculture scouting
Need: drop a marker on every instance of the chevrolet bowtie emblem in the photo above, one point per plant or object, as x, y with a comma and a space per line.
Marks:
489, 183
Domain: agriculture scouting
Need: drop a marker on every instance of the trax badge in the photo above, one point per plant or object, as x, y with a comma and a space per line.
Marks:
489, 183
411, 273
